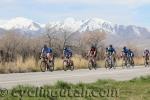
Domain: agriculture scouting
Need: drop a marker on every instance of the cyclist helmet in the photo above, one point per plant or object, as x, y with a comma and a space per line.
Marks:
145, 49
110, 46
106, 49
92, 46
124, 47
45, 46
65, 48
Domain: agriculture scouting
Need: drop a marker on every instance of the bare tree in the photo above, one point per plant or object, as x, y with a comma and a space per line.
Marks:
10, 44
51, 35
94, 38
58, 38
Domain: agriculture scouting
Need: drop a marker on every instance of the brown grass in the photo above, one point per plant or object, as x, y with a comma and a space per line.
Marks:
30, 64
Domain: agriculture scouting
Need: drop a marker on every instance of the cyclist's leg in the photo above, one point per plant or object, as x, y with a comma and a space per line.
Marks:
89, 59
48, 56
94, 60
133, 62
126, 60
69, 60
147, 60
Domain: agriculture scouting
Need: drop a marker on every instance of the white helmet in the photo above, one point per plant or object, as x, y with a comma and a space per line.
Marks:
145, 49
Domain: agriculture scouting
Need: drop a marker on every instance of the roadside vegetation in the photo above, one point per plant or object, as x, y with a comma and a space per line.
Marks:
30, 65
20, 53
135, 89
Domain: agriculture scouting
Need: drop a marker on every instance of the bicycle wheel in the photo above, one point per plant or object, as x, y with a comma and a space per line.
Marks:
72, 66
65, 65
43, 66
95, 66
146, 62
128, 64
106, 64
132, 63
51, 66
90, 65
114, 65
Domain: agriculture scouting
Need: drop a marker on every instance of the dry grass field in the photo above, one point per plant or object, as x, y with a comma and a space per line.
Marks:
30, 64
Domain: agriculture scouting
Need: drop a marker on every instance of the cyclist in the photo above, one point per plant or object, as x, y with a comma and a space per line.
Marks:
130, 53
111, 52
106, 53
146, 54
47, 52
124, 52
93, 53
67, 53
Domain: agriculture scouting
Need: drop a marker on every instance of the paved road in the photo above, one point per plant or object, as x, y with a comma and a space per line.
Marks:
82, 75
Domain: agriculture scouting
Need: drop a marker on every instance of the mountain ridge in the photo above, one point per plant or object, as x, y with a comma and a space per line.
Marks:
25, 25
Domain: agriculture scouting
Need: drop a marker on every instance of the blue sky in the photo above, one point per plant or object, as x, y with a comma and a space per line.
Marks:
135, 12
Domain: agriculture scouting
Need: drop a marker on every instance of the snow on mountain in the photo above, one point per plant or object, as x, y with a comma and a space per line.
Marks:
117, 31
93, 24
116, 34
22, 25
69, 24
96, 24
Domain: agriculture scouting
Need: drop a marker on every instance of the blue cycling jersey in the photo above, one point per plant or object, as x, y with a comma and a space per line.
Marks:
67, 52
46, 50
125, 51
130, 53
111, 50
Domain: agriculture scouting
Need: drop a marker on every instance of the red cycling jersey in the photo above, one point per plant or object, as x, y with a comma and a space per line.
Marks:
93, 52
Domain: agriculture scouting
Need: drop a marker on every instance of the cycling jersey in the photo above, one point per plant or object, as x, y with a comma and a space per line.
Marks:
130, 53
111, 50
93, 51
125, 51
46, 50
146, 53
67, 53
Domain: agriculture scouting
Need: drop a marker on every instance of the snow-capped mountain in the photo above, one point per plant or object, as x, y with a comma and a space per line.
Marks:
69, 24
96, 24
21, 25
116, 34
28, 26
93, 24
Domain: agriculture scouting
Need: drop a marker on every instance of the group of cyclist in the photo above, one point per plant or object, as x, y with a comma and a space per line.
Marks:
110, 53
48, 53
